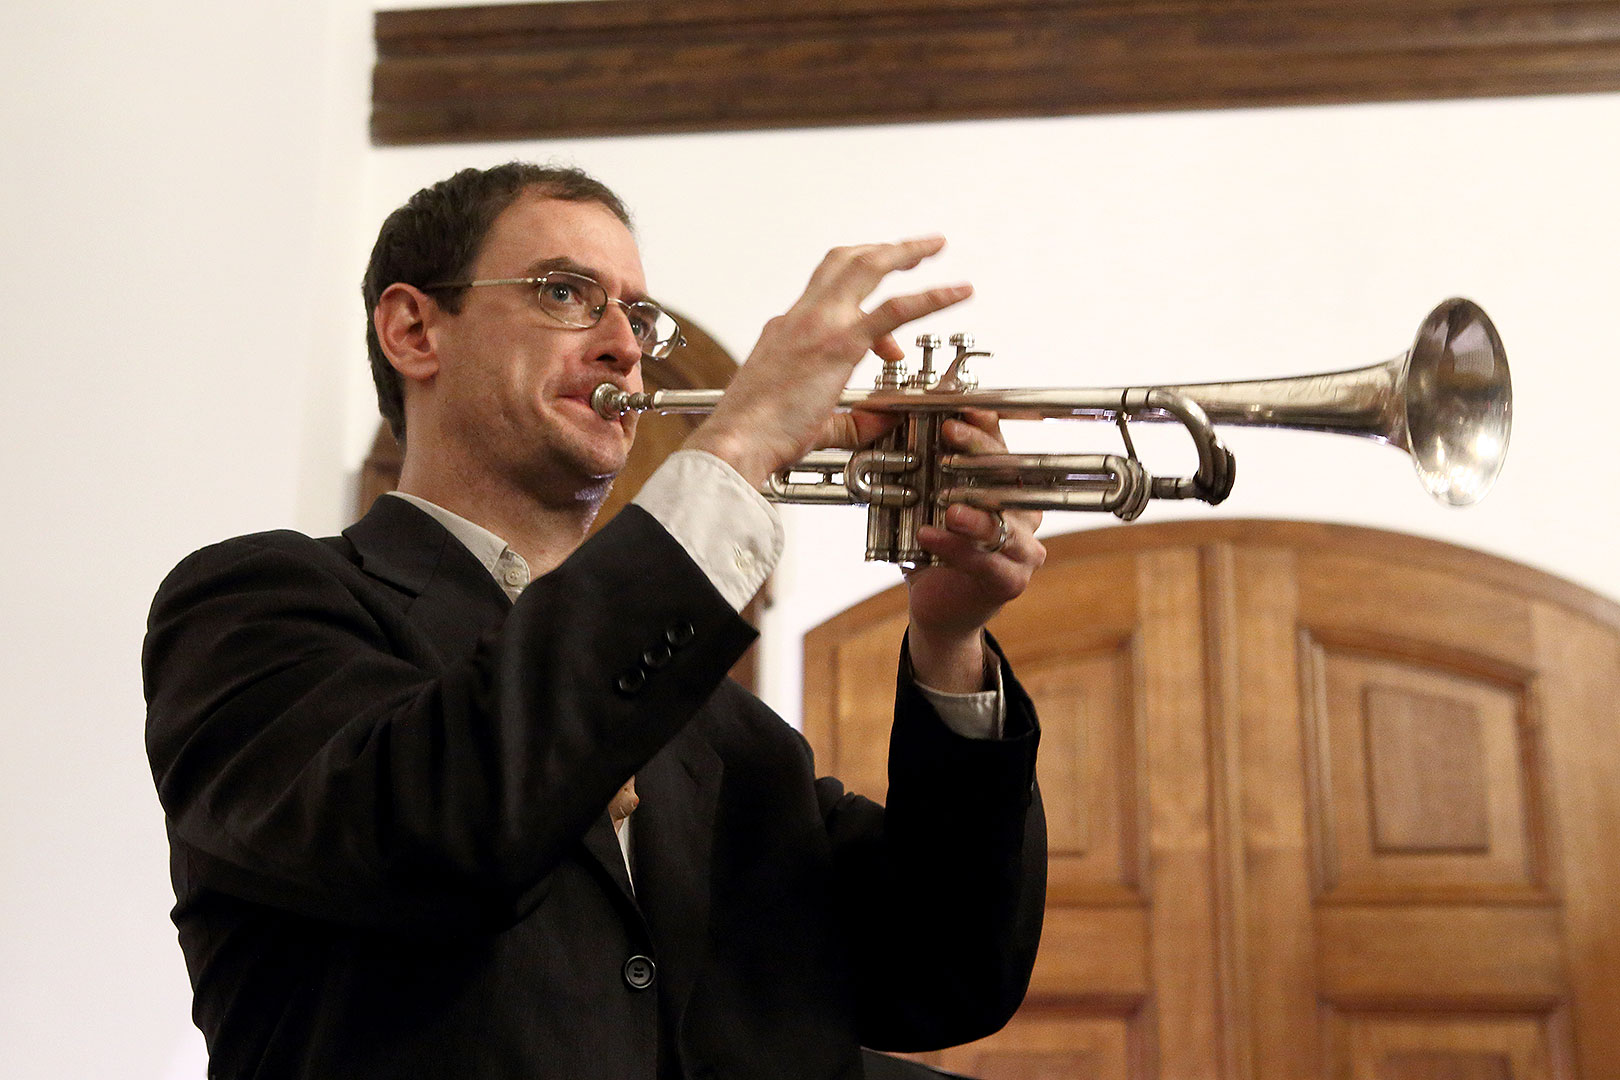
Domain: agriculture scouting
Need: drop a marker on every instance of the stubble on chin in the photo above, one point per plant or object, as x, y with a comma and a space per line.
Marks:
574, 468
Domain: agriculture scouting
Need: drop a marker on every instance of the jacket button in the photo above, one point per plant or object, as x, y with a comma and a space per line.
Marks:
680, 633
639, 971
631, 681
656, 656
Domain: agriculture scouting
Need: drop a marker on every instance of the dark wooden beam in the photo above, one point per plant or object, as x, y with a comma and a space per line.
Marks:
612, 67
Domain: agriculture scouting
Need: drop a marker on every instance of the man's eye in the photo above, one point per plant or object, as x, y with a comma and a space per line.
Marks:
560, 292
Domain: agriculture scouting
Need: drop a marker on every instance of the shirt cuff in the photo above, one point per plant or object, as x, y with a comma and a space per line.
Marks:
728, 528
980, 715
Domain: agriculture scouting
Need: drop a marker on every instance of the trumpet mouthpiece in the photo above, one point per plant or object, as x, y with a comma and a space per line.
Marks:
611, 403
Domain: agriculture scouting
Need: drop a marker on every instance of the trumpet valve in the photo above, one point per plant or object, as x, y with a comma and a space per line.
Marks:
957, 378
893, 376
925, 372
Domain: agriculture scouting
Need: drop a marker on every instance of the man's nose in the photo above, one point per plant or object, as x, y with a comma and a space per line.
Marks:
619, 346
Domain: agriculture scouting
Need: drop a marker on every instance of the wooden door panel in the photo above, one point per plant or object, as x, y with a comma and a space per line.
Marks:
1052, 1043
1429, 822
1579, 702
1401, 956
1111, 655
855, 680
1055, 1041
1432, 763
1427, 781
1088, 773
1098, 953
1361, 594
1445, 1046
1254, 598
1185, 928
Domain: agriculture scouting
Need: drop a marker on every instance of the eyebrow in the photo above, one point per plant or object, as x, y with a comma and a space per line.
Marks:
540, 267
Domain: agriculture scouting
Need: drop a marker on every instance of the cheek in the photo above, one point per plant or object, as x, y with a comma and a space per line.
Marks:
526, 380
507, 391
503, 393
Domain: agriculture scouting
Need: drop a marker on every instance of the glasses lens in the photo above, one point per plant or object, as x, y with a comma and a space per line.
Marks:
576, 300
657, 333
571, 299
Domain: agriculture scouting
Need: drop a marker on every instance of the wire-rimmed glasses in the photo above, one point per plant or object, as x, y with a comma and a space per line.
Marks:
579, 302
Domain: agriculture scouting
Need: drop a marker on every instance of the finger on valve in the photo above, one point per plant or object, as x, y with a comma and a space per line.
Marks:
778, 405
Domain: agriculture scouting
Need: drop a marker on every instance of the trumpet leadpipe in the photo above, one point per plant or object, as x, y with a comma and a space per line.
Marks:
1026, 403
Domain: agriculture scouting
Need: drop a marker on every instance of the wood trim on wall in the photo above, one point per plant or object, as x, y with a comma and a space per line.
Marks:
618, 67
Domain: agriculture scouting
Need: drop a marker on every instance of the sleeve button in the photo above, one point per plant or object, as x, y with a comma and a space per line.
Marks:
631, 681
639, 972
656, 656
680, 633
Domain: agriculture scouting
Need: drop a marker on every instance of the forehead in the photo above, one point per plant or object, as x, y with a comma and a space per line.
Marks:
537, 228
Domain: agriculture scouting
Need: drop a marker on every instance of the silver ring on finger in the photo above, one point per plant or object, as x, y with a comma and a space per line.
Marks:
1003, 534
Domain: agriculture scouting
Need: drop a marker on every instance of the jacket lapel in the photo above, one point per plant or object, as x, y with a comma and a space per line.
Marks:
454, 598
602, 844
671, 842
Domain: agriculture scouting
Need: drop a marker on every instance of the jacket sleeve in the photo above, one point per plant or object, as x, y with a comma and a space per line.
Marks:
309, 760
944, 889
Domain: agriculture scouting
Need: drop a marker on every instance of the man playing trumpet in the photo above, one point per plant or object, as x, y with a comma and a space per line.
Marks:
398, 766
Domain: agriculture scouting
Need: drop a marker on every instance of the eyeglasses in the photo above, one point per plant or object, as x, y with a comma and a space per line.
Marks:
577, 301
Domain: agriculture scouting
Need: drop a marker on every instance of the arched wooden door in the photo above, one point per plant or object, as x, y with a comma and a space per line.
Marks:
1324, 802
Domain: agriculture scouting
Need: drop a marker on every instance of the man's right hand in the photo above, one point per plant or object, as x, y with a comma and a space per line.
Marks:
780, 403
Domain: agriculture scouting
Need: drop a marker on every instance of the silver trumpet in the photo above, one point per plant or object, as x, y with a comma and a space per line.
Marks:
1448, 402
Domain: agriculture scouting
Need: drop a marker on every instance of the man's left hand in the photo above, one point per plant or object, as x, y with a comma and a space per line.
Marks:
953, 600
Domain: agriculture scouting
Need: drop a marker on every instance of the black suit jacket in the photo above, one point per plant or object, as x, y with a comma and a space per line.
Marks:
385, 790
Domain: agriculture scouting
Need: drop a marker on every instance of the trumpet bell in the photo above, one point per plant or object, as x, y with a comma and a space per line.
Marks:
1459, 403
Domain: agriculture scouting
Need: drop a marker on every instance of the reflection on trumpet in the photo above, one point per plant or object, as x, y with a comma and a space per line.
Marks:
1447, 402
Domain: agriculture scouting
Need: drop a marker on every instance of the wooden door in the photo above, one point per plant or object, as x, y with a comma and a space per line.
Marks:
1323, 802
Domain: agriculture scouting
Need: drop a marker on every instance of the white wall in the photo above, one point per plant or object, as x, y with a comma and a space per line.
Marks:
189, 197
179, 184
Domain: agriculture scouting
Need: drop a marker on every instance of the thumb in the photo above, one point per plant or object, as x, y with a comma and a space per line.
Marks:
855, 429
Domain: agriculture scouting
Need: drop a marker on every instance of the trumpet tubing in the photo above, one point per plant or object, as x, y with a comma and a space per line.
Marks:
1447, 401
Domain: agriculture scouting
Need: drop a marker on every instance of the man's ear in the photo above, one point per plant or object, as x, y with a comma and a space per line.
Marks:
404, 322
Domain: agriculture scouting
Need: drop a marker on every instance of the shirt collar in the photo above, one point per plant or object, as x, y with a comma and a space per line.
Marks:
507, 567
